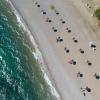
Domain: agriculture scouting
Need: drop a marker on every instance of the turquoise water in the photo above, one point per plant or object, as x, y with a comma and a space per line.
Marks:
20, 75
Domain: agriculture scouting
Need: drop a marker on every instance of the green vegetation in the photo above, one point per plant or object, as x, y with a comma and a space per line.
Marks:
97, 13
52, 7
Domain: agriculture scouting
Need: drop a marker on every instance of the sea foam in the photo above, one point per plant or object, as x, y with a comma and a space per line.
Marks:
37, 54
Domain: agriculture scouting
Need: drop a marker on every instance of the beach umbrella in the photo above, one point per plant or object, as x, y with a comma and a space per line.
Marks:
88, 89
38, 5
97, 76
92, 44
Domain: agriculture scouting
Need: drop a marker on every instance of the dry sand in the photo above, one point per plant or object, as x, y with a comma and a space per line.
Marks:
63, 73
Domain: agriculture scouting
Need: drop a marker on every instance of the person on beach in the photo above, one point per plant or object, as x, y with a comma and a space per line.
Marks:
79, 74
57, 13
63, 22
43, 12
92, 44
86, 89
72, 62
36, 3
83, 91
48, 20
59, 39
68, 30
54, 29
89, 63
66, 50
81, 50
94, 49
75, 40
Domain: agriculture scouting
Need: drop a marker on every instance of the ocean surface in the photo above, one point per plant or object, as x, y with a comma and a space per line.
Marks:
20, 76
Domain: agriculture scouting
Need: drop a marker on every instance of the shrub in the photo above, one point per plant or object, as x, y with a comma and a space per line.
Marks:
97, 13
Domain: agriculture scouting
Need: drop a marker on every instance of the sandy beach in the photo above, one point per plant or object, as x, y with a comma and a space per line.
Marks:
69, 43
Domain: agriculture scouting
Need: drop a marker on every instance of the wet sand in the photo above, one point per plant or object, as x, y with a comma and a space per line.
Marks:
53, 36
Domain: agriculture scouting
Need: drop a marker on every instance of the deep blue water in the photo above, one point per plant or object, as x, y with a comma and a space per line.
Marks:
20, 75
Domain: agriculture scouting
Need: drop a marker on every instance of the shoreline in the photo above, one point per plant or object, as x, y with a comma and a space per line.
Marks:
64, 73
37, 54
64, 83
